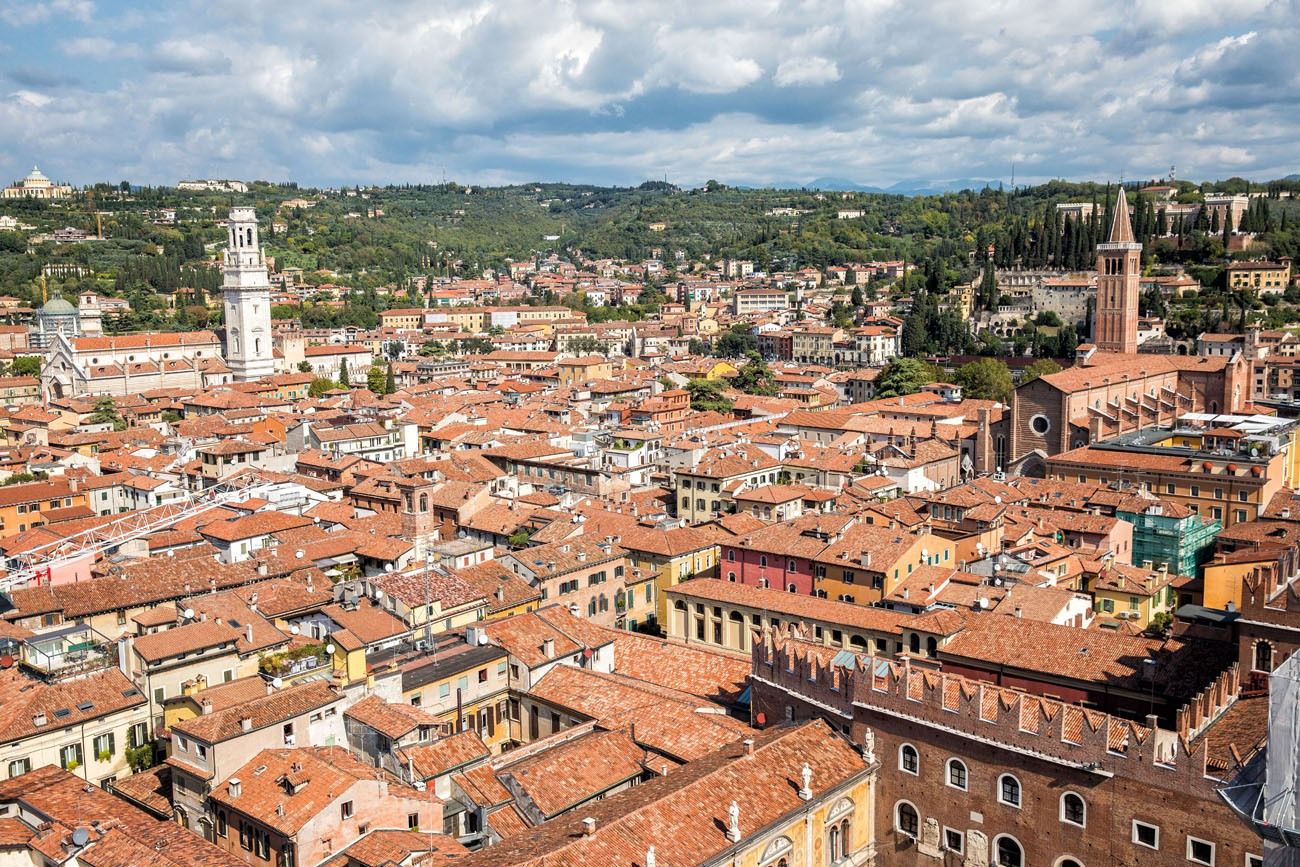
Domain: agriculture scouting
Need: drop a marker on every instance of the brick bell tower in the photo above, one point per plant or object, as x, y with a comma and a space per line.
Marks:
1119, 264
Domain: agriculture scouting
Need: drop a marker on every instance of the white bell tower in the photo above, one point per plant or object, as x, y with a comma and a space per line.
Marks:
247, 292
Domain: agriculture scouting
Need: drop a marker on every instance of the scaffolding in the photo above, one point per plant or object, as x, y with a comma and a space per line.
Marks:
34, 566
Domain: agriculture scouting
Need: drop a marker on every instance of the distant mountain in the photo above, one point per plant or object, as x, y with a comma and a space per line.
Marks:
911, 187
1292, 178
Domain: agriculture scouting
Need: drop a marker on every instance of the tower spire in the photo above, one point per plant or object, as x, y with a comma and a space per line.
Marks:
1121, 228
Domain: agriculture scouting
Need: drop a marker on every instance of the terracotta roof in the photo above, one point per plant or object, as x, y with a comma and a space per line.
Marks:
666, 720
567, 774
324, 775
394, 720
122, 835
190, 638
502, 588
684, 815
56, 705
386, 848
368, 622
705, 673
279, 706
793, 605
445, 754
151, 789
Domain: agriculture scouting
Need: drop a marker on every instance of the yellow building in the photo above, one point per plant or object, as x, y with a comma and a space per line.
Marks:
889, 558
1262, 278
584, 369
1223, 575
409, 318
1133, 594
1222, 474
671, 557
465, 685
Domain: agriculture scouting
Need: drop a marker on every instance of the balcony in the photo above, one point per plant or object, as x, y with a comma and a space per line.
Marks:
294, 664
68, 651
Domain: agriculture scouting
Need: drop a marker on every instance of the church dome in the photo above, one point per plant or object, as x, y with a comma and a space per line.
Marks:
58, 306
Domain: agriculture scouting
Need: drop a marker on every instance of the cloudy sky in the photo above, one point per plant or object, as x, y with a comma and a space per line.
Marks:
618, 91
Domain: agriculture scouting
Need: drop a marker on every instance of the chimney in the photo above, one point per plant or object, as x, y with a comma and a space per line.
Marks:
501, 592
270, 688
234, 787
261, 570
39, 719
588, 826
1020, 612
548, 648
245, 725
279, 809
248, 633
749, 746
206, 704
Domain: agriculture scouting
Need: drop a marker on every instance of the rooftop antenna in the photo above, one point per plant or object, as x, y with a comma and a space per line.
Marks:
1013, 174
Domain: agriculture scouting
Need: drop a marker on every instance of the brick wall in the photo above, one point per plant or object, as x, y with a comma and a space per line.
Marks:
1124, 771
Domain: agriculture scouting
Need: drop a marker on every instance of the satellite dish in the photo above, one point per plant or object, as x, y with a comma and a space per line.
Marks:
6, 661
80, 837
277, 683
294, 630
379, 594
188, 614
329, 648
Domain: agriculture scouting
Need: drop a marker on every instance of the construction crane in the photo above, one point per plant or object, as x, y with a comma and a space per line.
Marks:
35, 566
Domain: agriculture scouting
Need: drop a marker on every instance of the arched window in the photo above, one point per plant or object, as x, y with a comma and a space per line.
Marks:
1009, 790
1069, 862
731, 576
1007, 852
914, 643
1073, 810
762, 560
1263, 656
679, 605
777, 853
957, 776
731, 556
931, 646
591, 608
424, 502
791, 588
909, 760
906, 819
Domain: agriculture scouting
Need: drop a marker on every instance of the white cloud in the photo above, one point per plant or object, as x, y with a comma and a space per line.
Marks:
96, 48
31, 99
23, 13
806, 71
746, 91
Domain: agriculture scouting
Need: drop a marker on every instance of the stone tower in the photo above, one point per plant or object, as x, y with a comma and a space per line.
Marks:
1119, 264
247, 293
